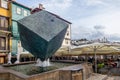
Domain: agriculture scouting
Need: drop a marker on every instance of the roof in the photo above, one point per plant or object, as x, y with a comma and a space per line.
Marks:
38, 9
35, 10
21, 5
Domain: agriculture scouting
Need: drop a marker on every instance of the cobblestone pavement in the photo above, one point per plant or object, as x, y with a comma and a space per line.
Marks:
2, 69
103, 77
115, 71
113, 78
97, 77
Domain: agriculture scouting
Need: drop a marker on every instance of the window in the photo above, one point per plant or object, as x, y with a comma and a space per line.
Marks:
19, 10
2, 42
66, 41
68, 33
4, 23
25, 13
4, 4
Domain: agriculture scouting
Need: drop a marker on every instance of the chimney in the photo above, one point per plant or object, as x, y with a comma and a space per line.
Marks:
41, 7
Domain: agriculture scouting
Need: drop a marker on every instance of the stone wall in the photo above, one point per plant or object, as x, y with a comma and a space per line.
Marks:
77, 76
53, 75
9, 76
58, 75
4, 76
87, 70
15, 77
65, 75
68, 73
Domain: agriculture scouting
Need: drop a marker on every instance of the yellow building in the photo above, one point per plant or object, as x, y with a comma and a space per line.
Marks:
5, 29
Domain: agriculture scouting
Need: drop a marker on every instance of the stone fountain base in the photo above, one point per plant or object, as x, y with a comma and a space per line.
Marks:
66, 73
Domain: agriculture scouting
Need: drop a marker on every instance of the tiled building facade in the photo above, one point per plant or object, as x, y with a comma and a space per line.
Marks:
5, 26
10, 12
19, 11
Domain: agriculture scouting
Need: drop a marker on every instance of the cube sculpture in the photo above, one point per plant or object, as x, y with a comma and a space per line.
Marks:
42, 33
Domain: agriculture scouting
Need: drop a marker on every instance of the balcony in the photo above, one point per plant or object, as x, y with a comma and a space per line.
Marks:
5, 29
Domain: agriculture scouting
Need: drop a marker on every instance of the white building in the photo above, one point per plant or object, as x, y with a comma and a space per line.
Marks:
67, 39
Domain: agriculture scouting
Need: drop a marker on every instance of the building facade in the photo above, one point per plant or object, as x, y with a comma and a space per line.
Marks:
5, 29
67, 39
19, 11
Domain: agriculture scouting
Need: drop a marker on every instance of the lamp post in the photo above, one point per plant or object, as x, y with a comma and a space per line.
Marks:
95, 48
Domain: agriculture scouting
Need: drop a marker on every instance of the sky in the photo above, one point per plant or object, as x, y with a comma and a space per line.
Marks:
91, 19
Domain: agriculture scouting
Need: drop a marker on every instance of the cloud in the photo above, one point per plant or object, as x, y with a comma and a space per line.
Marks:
96, 33
79, 32
57, 4
94, 2
109, 20
83, 32
114, 37
85, 15
99, 27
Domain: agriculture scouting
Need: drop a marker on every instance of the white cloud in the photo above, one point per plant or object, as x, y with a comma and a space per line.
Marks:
99, 27
85, 14
94, 2
114, 37
108, 19
57, 4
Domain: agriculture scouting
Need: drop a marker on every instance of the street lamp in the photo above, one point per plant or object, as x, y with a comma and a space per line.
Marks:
95, 48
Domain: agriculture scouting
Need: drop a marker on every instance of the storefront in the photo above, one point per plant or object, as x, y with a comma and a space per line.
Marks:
3, 58
4, 48
4, 39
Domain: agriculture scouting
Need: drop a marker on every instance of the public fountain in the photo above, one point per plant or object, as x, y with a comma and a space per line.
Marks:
42, 34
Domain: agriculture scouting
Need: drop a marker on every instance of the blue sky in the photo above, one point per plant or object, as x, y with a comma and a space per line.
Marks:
91, 19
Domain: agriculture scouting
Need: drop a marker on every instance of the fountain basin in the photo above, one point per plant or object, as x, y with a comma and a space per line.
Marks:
67, 73
31, 69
